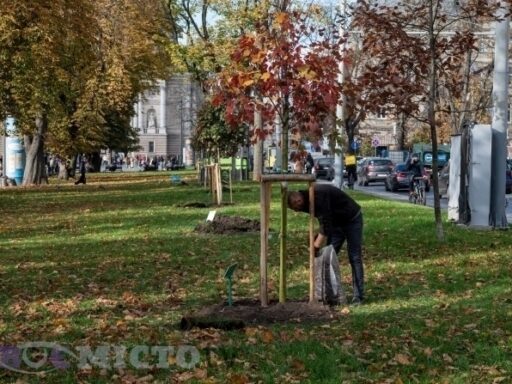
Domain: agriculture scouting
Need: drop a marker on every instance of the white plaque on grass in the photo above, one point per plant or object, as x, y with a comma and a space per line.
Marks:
211, 216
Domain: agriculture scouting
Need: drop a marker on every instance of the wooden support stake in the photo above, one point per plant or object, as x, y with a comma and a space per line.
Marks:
265, 196
265, 192
212, 184
230, 189
311, 242
218, 177
282, 243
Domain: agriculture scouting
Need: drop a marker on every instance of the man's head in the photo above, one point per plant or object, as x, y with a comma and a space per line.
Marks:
295, 200
415, 159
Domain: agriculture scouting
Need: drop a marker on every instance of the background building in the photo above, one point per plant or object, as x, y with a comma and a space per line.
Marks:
165, 116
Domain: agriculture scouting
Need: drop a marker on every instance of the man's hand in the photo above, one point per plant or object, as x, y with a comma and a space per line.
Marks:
319, 241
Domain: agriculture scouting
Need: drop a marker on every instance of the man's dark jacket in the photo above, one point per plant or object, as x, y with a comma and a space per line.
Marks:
333, 207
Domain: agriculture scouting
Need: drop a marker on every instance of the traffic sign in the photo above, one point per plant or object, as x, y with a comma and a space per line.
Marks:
375, 141
355, 145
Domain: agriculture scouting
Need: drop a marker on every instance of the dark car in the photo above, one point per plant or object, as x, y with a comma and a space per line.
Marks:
324, 168
398, 178
374, 169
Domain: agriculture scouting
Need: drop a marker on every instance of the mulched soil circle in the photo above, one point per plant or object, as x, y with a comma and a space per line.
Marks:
250, 312
223, 224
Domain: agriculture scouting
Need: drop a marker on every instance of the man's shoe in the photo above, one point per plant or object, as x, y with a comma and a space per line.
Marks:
356, 301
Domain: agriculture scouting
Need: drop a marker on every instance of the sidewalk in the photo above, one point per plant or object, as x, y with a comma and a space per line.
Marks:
430, 199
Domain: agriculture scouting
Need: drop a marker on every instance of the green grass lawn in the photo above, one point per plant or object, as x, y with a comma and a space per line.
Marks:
117, 262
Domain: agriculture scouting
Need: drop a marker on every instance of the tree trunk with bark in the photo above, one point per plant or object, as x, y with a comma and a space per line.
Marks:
400, 131
95, 162
63, 170
432, 93
284, 199
35, 168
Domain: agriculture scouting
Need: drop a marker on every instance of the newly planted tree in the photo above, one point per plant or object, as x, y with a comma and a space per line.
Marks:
286, 71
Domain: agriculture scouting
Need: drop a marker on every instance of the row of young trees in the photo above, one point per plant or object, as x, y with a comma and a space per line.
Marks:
418, 59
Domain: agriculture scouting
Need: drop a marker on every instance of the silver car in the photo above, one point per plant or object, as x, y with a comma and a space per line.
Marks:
374, 169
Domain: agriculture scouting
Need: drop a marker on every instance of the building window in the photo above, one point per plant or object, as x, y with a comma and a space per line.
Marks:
151, 123
151, 147
155, 91
381, 114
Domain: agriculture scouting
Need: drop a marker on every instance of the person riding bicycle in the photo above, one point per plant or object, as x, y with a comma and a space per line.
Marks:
350, 165
415, 168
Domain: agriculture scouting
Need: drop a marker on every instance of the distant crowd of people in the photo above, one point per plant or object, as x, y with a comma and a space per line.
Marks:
302, 162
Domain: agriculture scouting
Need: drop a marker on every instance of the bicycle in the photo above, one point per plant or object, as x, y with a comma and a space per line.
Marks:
418, 196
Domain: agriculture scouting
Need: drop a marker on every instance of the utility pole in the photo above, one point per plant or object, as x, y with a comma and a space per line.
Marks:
497, 217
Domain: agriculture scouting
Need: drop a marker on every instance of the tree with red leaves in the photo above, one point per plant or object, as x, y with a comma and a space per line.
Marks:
287, 72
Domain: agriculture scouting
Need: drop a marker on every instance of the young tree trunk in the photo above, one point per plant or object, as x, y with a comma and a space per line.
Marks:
400, 131
350, 129
432, 123
35, 169
72, 166
95, 162
284, 201
258, 147
63, 170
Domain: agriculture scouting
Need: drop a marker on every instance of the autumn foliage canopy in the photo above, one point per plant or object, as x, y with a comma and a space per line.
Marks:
286, 69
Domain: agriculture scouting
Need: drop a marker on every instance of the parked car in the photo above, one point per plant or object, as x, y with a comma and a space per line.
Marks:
359, 164
324, 168
374, 169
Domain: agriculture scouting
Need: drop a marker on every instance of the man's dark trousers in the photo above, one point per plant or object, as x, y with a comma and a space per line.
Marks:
353, 233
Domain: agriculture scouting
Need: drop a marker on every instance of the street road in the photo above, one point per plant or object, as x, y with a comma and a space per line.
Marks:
378, 189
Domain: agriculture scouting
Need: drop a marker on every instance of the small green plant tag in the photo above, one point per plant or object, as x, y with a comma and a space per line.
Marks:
228, 275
